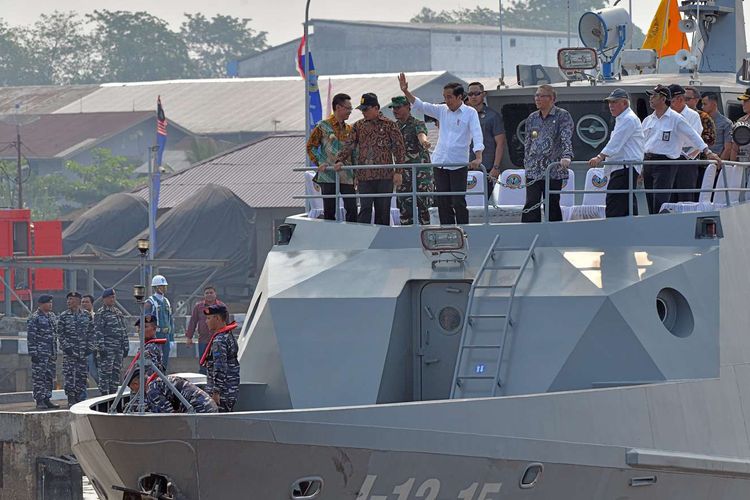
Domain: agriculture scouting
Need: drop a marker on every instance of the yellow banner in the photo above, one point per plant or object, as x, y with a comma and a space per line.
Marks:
674, 39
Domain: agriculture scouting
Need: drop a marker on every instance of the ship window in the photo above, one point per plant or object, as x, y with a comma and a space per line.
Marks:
531, 475
734, 112
512, 42
450, 319
641, 108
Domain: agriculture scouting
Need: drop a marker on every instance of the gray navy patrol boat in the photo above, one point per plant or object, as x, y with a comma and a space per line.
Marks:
594, 359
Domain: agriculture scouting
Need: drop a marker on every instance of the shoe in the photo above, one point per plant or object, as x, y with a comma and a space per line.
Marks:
49, 404
41, 405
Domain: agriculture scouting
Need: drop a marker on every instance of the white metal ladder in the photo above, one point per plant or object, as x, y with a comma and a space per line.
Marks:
483, 340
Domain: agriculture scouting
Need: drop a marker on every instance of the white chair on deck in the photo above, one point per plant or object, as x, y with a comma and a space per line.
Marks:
708, 201
511, 190
315, 205
474, 186
594, 204
568, 199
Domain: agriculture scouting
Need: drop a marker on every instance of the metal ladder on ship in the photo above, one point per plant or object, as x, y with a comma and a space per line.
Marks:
471, 377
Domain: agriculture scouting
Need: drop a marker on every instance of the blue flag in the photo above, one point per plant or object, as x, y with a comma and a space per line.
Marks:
316, 108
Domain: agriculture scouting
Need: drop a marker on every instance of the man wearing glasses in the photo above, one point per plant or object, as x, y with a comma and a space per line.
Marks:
549, 136
493, 133
323, 146
459, 126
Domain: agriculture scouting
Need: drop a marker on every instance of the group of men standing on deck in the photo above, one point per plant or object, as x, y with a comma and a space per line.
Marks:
79, 333
470, 134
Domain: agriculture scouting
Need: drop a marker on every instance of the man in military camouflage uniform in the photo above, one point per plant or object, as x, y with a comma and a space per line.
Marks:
220, 358
111, 342
152, 346
417, 151
737, 152
160, 398
41, 331
76, 332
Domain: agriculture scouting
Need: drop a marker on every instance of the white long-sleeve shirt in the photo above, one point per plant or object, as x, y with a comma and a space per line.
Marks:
626, 142
457, 130
667, 135
694, 120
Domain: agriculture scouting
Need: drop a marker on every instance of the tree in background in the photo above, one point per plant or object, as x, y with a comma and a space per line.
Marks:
212, 43
13, 57
106, 175
59, 51
137, 46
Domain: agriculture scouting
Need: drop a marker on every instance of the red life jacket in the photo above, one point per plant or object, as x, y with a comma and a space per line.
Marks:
231, 326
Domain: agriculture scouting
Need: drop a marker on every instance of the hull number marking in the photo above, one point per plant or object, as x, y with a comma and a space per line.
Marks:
427, 490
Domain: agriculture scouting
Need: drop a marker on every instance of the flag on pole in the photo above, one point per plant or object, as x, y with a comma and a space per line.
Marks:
161, 145
316, 108
666, 43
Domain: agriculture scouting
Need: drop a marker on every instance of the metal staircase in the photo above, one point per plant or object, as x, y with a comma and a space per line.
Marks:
487, 321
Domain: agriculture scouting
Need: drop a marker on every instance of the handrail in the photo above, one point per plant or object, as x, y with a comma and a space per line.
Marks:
414, 193
632, 190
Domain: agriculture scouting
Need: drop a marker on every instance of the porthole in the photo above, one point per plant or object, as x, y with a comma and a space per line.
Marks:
673, 310
306, 488
450, 319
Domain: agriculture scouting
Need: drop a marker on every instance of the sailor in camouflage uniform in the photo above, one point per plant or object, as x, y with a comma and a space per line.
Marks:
41, 333
741, 153
417, 151
220, 358
152, 347
111, 341
76, 333
160, 398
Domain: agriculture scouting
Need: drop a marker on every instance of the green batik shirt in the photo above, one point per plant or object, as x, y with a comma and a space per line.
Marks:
324, 145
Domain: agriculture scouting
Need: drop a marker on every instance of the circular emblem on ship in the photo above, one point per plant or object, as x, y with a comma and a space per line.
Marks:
514, 181
471, 182
521, 131
592, 129
599, 182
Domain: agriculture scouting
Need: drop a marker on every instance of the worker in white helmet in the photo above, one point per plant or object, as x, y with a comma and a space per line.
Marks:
158, 305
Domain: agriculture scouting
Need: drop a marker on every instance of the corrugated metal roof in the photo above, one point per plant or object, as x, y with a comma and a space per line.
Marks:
40, 99
59, 135
260, 173
449, 27
243, 104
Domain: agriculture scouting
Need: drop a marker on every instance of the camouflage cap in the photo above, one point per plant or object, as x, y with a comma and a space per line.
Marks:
398, 101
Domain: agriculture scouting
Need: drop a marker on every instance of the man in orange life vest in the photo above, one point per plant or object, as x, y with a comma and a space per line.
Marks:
220, 358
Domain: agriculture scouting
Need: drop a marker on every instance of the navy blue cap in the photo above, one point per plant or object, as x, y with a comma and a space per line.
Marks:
214, 309
73, 294
676, 90
108, 292
368, 100
661, 90
44, 299
616, 95
149, 318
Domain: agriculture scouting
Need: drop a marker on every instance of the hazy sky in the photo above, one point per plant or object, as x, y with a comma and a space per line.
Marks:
282, 19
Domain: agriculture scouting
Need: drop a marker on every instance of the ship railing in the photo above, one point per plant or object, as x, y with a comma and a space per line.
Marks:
634, 190
413, 194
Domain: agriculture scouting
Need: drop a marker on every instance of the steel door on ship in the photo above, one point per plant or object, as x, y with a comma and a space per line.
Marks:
442, 309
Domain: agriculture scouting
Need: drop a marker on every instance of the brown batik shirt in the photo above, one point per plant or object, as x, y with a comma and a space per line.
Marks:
374, 142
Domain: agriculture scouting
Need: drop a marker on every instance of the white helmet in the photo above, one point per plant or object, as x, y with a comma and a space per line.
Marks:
159, 280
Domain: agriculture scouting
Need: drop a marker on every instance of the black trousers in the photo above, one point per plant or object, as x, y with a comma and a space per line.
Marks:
451, 209
617, 204
658, 177
686, 177
329, 204
534, 194
382, 205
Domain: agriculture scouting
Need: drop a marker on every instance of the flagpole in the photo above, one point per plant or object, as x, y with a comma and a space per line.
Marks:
307, 76
663, 33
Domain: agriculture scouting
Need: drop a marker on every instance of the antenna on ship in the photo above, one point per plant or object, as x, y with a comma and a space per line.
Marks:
502, 58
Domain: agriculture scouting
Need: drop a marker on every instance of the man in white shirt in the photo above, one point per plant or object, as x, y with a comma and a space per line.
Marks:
666, 132
459, 126
625, 144
687, 175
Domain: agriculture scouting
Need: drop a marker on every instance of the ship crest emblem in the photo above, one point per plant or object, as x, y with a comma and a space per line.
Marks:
514, 181
599, 182
471, 182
